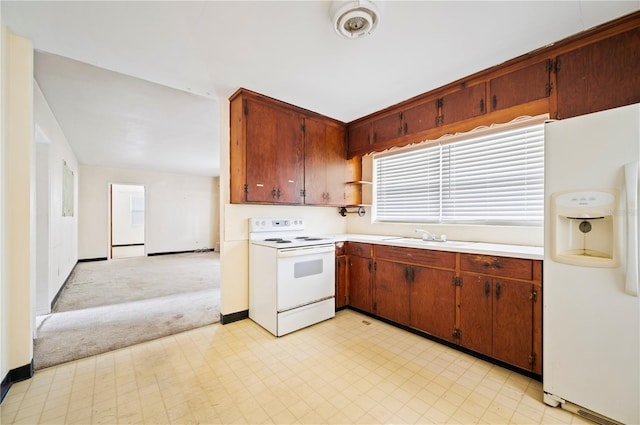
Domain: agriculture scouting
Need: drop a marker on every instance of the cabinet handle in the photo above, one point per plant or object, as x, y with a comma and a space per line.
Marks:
278, 192
482, 106
494, 102
406, 274
487, 289
273, 192
498, 290
406, 129
413, 274
369, 265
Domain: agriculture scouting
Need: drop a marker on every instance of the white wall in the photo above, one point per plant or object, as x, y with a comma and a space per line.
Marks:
57, 236
235, 228
180, 210
18, 194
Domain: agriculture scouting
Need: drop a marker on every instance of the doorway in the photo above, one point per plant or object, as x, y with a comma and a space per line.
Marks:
127, 224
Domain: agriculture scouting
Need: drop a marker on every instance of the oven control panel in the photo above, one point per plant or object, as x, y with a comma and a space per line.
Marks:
275, 224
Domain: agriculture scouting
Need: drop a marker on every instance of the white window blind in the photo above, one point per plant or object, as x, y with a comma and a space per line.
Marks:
496, 178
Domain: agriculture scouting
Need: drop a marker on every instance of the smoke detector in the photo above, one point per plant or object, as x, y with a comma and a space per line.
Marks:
354, 19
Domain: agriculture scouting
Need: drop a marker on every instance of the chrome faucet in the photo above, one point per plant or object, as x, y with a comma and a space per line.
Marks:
428, 236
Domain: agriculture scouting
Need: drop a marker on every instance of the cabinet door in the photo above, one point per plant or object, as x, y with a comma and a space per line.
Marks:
386, 128
513, 322
324, 171
599, 76
466, 103
275, 165
359, 137
360, 283
521, 86
341, 281
476, 312
420, 117
391, 283
433, 299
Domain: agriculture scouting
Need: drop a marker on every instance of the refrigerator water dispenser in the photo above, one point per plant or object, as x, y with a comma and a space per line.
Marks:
584, 228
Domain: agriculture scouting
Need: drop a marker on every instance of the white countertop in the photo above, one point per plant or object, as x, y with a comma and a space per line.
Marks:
502, 250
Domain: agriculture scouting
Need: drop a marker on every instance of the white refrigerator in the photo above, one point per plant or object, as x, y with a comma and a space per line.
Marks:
591, 316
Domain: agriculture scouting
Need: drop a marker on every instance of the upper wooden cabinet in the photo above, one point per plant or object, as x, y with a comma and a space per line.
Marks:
420, 117
521, 86
273, 147
273, 136
599, 76
324, 163
592, 71
359, 137
463, 104
386, 128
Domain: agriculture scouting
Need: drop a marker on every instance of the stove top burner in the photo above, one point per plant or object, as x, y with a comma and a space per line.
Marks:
277, 240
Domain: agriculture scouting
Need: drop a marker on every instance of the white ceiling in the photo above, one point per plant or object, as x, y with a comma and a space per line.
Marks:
173, 61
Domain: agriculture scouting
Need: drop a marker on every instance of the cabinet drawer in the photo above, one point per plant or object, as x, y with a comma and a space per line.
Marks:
423, 257
359, 249
515, 268
340, 248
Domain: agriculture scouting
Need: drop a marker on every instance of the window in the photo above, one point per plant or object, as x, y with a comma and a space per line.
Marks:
493, 178
136, 204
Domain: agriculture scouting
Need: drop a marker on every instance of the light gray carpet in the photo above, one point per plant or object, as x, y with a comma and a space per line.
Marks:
108, 305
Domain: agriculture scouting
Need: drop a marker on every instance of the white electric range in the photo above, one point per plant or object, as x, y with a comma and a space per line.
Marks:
291, 275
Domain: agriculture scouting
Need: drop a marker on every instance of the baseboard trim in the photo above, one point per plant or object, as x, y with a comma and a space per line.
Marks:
225, 319
15, 375
152, 254
64, 285
87, 260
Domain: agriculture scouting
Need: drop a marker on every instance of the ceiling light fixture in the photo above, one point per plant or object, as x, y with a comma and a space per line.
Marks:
354, 19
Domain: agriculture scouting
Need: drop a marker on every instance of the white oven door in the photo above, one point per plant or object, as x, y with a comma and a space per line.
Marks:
305, 275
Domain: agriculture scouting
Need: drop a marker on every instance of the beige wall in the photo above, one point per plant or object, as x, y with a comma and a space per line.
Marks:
57, 235
179, 217
18, 191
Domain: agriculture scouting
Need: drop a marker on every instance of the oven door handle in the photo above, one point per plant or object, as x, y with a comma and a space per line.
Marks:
298, 252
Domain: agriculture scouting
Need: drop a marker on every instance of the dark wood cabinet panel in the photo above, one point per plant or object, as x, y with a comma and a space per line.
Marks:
418, 256
359, 137
360, 272
276, 138
341, 280
476, 313
521, 86
513, 322
599, 76
324, 170
386, 128
463, 104
433, 299
391, 289
420, 117
516, 268
360, 249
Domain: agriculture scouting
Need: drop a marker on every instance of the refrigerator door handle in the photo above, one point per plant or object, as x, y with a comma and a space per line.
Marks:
631, 187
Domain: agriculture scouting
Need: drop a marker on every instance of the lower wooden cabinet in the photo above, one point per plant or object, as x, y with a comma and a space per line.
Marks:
433, 301
360, 266
392, 288
487, 304
341, 276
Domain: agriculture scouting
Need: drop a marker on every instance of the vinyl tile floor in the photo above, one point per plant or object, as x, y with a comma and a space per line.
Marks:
350, 369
